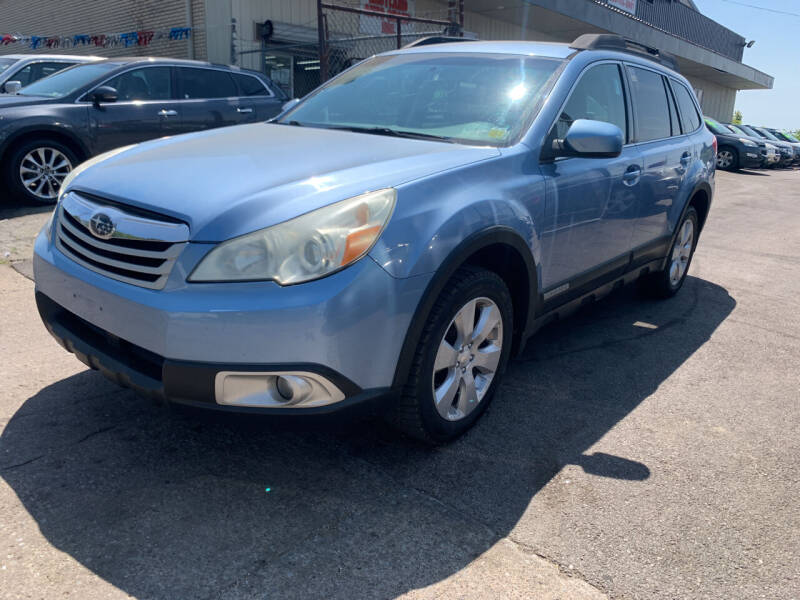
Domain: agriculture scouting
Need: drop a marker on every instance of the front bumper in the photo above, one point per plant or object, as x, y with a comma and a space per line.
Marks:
348, 327
750, 158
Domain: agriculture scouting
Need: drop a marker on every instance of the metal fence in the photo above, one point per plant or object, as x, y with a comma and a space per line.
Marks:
685, 22
348, 35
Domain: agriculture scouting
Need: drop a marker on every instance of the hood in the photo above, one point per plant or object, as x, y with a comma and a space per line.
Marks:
230, 181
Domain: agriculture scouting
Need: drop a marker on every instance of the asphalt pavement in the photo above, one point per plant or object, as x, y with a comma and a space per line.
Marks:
640, 449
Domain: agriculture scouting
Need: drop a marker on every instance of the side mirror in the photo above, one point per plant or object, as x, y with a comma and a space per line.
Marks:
12, 87
103, 94
590, 139
290, 104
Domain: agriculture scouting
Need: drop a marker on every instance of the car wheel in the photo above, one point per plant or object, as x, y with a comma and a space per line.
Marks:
458, 363
667, 282
37, 168
727, 159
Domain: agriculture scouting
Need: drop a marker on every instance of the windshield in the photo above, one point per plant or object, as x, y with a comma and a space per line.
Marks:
750, 132
766, 134
6, 62
789, 137
485, 99
716, 126
737, 130
67, 81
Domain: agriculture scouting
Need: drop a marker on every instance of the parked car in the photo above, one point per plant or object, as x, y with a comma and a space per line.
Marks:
786, 149
24, 69
788, 138
735, 151
57, 122
770, 154
391, 240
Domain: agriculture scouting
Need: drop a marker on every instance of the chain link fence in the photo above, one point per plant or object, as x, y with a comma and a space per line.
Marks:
353, 34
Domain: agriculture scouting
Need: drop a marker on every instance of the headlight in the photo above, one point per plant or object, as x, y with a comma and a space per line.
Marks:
305, 248
747, 142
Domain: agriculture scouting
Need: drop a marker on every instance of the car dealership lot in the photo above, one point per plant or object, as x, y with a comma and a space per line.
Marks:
639, 450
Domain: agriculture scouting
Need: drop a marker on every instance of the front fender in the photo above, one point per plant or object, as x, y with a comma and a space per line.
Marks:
434, 216
13, 127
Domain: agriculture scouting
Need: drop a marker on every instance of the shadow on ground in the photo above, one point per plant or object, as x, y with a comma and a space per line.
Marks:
173, 504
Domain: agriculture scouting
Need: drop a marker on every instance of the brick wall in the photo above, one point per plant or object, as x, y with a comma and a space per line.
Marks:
69, 17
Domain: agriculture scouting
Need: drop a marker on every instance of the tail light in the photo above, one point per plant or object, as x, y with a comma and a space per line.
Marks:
714, 144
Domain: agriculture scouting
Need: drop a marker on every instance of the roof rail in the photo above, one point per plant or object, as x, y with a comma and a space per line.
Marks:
608, 41
436, 39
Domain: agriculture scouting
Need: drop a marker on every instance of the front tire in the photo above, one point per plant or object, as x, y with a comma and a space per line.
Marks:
37, 168
461, 356
667, 282
727, 159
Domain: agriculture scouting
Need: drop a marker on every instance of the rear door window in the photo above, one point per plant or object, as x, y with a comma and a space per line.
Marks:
598, 96
650, 103
205, 83
690, 120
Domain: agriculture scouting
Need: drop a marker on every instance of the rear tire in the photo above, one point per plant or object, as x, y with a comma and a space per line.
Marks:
667, 282
36, 168
460, 358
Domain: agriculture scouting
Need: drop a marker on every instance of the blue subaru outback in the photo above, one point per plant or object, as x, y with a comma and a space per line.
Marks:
389, 241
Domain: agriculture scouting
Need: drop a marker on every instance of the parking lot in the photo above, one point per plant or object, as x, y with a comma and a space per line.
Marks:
641, 449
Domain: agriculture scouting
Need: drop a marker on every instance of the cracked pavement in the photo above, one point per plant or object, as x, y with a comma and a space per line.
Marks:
640, 449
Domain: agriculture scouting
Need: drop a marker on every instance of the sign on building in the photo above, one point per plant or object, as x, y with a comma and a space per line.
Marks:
626, 5
377, 25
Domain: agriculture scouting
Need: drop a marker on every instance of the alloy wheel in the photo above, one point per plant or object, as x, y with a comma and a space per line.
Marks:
467, 358
42, 171
724, 159
681, 252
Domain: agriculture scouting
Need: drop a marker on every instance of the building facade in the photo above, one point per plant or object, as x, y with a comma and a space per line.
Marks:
280, 37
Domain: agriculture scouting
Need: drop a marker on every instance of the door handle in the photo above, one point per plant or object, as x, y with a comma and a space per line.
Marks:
631, 176
686, 158
241, 109
167, 113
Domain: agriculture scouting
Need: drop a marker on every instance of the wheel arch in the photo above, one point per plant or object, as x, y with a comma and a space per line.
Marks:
499, 249
52, 132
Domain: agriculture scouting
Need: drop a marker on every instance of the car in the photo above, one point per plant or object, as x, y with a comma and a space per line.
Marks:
388, 243
24, 69
788, 138
735, 151
56, 123
769, 153
786, 150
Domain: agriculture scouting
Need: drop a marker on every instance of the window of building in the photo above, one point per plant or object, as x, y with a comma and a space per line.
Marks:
651, 103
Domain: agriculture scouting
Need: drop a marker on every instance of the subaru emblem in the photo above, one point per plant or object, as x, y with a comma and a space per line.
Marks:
102, 226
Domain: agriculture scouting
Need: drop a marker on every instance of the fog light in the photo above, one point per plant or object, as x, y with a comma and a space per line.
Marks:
275, 390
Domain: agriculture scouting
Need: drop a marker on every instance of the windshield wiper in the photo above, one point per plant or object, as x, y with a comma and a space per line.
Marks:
394, 133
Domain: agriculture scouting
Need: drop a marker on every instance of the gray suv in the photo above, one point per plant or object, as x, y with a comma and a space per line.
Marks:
60, 121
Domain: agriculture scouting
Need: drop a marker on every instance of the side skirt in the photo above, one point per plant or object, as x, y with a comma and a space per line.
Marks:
597, 293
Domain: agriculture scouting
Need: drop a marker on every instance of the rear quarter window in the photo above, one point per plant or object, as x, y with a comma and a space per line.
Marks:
690, 120
250, 85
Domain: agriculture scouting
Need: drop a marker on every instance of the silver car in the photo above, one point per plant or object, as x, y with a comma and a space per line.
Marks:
27, 68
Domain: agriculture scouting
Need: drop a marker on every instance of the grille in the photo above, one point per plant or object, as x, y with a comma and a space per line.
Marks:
140, 251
